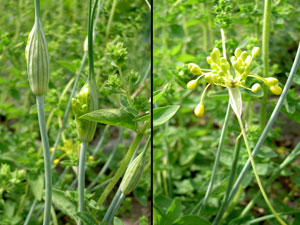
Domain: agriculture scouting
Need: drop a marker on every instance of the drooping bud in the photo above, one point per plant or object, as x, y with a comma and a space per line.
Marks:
195, 69
237, 52
276, 90
37, 58
255, 51
199, 110
270, 81
133, 174
85, 101
256, 88
192, 84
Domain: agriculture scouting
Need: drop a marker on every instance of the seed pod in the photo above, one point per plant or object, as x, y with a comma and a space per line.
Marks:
133, 174
276, 90
192, 84
195, 69
255, 51
37, 58
199, 110
256, 88
85, 101
270, 81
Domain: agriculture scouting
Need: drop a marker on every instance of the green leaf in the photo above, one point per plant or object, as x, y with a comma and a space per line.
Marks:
86, 218
191, 220
114, 117
117, 221
173, 212
159, 93
64, 204
36, 183
163, 114
143, 117
68, 66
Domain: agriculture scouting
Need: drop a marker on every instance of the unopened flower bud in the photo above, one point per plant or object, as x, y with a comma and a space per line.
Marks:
233, 59
209, 60
214, 66
237, 52
270, 81
255, 51
91, 158
195, 69
56, 161
192, 84
244, 55
199, 110
208, 77
256, 88
276, 90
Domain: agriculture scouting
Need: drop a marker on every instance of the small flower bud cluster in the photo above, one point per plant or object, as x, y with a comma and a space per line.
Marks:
220, 74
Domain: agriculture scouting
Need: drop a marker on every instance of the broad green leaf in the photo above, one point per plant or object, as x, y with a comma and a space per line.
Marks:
64, 204
9, 209
163, 114
117, 221
36, 183
159, 93
143, 117
191, 220
235, 99
114, 117
173, 212
86, 218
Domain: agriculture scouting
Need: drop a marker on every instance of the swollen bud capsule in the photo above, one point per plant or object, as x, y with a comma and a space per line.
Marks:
276, 90
133, 174
199, 110
195, 69
37, 59
255, 51
256, 88
192, 84
85, 101
270, 81
237, 52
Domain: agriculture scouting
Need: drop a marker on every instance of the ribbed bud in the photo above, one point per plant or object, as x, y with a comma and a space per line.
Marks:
276, 90
199, 110
85, 101
133, 174
192, 84
255, 51
195, 69
37, 59
256, 88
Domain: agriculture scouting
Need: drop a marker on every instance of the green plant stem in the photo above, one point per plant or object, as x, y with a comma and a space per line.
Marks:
291, 158
81, 177
256, 174
117, 205
230, 181
111, 16
217, 159
269, 124
265, 54
47, 162
124, 164
223, 43
257, 220
30, 212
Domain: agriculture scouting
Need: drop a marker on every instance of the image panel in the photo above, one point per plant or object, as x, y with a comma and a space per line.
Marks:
225, 112
75, 125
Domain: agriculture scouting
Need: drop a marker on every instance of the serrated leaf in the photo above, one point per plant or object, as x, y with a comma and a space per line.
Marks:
191, 220
114, 117
36, 183
64, 204
86, 218
163, 114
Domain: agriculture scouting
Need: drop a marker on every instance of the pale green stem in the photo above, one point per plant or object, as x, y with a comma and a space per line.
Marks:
265, 54
111, 16
47, 162
256, 174
30, 212
81, 177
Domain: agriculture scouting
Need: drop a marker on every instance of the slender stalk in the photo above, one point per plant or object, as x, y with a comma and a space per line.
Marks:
257, 220
124, 165
111, 16
231, 179
223, 43
269, 124
291, 157
265, 54
47, 162
30, 212
256, 174
217, 159
117, 205
81, 178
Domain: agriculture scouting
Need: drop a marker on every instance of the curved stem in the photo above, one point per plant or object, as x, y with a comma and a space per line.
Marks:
81, 180
47, 163
265, 45
217, 159
256, 174
111, 16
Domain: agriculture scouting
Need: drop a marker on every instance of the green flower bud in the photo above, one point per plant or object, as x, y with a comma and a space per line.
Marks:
215, 55
192, 84
236, 66
133, 174
276, 90
214, 66
270, 81
195, 69
255, 51
85, 101
223, 60
223, 67
233, 59
244, 55
199, 110
237, 52
256, 88
209, 60
37, 59
209, 78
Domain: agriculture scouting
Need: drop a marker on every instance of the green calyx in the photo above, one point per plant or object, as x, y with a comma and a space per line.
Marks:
85, 101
